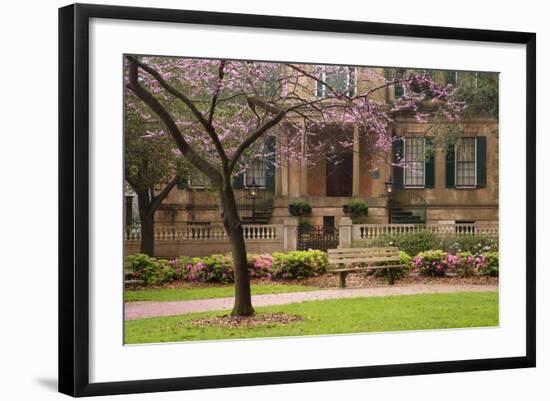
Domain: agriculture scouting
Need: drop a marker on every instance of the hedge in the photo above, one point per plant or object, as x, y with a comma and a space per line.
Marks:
219, 268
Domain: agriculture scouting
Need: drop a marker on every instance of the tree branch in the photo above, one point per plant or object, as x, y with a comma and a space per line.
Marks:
280, 113
201, 164
255, 135
190, 105
216, 92
157, 200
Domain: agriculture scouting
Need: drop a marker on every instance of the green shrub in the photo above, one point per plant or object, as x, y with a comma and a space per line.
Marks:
299, 208
475, 244
421, 241
356, 209
151, 270
412, 243
216, 268
491, 264
405, 258
299, 264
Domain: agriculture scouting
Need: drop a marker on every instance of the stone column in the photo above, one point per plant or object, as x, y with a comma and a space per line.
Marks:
290, 230
345, 232
303, 167
356, 162
278, 169
284, 165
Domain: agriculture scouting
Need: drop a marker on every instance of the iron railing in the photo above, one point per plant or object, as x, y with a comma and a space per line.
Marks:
263, 200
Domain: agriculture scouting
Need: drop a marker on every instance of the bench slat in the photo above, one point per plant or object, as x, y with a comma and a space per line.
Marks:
371, 257
363, 260
378, 249
364, 255
361, 269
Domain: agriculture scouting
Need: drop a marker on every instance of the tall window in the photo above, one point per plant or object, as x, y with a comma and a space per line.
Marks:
255, 174
414, 162
398, 88
340, 78
451, 78
466, 162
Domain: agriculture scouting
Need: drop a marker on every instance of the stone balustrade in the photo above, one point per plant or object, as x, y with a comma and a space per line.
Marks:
207, 232
369, 231
200, 240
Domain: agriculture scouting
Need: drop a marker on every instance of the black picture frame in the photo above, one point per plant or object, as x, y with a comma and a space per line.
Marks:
74, 198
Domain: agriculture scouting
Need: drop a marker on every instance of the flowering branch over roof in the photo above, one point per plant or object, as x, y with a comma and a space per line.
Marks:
220, 112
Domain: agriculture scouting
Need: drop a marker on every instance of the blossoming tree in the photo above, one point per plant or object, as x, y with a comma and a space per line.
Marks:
149, 163
220, 113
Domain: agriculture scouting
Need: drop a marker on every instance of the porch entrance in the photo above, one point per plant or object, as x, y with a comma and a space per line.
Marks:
339, 174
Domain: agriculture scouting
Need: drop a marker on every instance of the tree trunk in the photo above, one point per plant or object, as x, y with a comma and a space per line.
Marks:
148, 203
147, 244
147, 218
234, 229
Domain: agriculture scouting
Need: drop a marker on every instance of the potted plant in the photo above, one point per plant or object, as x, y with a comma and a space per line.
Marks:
299, 208
357, 210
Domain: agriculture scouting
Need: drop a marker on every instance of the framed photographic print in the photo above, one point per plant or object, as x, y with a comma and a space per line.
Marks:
250, 199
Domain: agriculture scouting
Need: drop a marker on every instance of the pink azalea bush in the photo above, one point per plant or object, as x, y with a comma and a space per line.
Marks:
470, 263
437, 263
260, 265
430, 263
209, 269
297, 265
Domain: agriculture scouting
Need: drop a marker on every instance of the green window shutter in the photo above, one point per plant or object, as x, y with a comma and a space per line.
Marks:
481, 161
397, 154
238, 181
450, 166
398, 91
182, 183
429, 163
270, 164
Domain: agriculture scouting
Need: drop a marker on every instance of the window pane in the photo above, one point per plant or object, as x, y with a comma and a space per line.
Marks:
466, 162
451, 78
255, 174
414, 161
339, 78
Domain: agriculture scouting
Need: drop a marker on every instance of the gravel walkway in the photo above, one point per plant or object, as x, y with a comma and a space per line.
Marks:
146, 309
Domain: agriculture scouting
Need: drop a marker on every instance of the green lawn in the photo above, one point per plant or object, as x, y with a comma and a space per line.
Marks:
337, 316
185, 294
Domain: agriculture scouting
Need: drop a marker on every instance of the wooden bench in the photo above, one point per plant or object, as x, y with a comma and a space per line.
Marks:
129, 280
372, 258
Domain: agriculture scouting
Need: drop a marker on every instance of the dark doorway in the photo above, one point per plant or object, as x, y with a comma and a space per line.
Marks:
328, 222
339, 174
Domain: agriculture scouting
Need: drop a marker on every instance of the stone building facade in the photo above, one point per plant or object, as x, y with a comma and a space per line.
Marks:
456, 183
